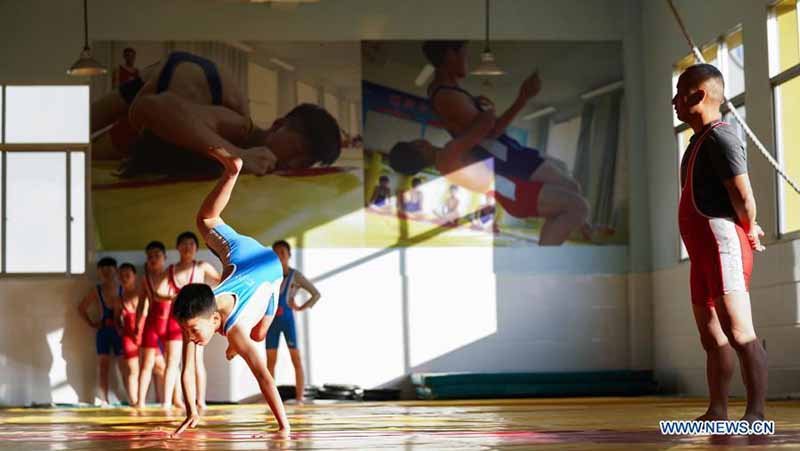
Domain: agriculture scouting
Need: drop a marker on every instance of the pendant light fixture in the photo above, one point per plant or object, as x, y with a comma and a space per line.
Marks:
487, 65
86, 66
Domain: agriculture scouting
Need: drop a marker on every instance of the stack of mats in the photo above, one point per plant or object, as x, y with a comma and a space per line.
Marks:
530, 385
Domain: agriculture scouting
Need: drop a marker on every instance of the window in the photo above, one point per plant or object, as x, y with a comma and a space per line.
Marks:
307, 94
262, 87
734, 64
683, 142
45, 137
784, 53
727, 54
562, 141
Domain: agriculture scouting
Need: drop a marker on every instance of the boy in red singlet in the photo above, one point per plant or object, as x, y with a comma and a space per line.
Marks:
186, 271
160, 328
125, 314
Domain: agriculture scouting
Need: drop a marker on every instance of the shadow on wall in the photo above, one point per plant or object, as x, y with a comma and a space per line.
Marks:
47, 353
38, 320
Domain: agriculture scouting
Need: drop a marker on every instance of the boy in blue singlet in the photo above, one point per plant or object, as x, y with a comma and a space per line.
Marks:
235, 308
284, 324
107, 341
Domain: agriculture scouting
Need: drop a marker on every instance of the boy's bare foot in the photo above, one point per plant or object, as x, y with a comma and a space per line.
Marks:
280, 434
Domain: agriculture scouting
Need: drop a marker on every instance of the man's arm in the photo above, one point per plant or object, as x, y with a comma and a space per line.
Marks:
250, 352
83, 309
188, 380
729, 161
197, 128
310, 288
741, 195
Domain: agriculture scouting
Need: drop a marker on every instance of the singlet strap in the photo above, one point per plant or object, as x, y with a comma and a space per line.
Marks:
100, 296
194, 267
149, 285
287, 282
173, 280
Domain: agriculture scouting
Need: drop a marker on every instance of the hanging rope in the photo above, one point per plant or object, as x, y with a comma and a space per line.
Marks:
699, 57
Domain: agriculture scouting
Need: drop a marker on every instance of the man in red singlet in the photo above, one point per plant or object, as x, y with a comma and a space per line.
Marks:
717, 217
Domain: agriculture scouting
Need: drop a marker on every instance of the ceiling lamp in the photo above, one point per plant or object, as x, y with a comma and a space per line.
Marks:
487, 65
86, 66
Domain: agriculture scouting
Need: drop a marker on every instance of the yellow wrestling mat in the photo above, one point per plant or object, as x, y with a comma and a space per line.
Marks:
129, 213
542, 424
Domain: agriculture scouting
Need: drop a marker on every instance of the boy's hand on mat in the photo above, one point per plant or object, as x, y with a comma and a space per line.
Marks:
191, 421
258, 160
530, 87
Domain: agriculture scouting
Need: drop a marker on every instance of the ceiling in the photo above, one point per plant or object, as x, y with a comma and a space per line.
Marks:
334, 65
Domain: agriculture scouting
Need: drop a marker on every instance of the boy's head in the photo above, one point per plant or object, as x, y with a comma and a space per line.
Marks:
187, 245
700, 89
127, 275
450, 56
106, 269
304, 137
129, 55
453, 189
156, 254
383, 180
416, 182
195, 309
284, 251
410, 157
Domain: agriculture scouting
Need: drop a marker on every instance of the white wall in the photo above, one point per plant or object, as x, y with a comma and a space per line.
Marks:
678, 357
561, 309
46, 350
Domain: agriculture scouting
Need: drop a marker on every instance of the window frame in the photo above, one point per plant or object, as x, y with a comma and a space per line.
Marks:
68, 149
776, 81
